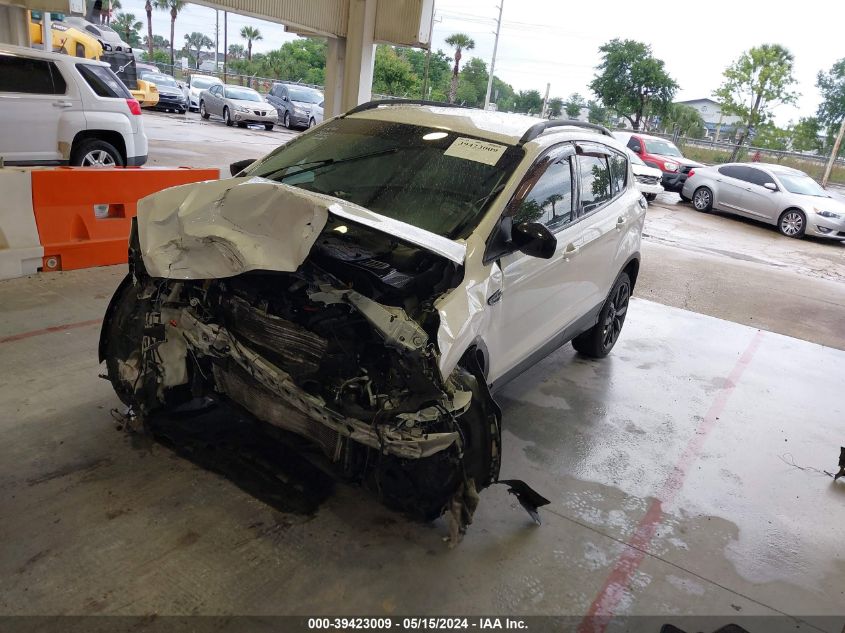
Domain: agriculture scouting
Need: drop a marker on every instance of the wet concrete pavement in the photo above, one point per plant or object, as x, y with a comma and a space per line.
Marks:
667, 465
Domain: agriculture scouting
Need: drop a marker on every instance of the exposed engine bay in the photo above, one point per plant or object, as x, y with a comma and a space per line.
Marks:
342, 351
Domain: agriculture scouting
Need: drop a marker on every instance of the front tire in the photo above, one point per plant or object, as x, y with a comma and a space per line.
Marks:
600, 339
792, 223
311, 122
203, 112
96, 153
286, 120
227, 118
702, 199
650, 197
268, 127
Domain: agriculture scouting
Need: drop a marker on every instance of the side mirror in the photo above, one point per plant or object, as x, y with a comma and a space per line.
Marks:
534, 239
285, 98
239, 165
771, 186
637, 149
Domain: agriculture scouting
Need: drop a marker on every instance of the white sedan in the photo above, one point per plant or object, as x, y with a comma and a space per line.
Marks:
647, 178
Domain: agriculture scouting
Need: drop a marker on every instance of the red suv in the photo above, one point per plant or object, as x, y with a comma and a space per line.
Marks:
662, 154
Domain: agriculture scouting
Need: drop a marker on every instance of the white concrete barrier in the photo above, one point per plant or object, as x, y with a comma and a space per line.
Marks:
20, 249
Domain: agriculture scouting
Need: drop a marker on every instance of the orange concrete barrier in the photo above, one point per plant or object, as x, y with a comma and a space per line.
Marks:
84, 213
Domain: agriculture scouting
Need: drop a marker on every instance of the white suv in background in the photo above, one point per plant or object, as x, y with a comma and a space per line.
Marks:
56, 109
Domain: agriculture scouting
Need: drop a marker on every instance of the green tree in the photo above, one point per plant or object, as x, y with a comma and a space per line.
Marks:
528, 101
159, 57
236, 51
159, 43
174, 7
806, 135
596, 113
250, 34
573, 105
770, 136
756, 82
473, 82
128, 26
832, 108
460, 42
439, 70
302, 60
631, 80
683, 118
555, 107
392, 74
504, 95
197, 41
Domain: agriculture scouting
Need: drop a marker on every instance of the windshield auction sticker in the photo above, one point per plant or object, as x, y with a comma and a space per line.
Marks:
472, 149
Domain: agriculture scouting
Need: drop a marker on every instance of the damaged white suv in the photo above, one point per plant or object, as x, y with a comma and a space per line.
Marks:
370, 283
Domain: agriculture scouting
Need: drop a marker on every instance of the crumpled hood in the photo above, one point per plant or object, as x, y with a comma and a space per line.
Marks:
223, 228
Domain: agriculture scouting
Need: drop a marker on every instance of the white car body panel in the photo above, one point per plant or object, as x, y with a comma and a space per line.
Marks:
645, 170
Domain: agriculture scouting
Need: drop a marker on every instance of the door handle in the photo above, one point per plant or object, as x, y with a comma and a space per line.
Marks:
62, 104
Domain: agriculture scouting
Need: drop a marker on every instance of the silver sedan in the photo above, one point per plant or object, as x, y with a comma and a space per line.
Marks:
236, 104
787, 198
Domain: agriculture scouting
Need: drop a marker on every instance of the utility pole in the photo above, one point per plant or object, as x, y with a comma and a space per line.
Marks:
225, 43
545, 101
493, 61
428, 55
837, 143
216, 37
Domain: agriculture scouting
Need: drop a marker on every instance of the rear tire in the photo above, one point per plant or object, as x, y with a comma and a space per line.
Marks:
203, 112
792, 223
96, 153
600, 339
702, 199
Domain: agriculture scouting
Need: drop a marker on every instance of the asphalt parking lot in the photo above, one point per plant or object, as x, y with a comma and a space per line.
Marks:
672, 466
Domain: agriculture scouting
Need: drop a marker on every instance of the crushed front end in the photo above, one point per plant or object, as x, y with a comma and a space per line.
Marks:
340, 349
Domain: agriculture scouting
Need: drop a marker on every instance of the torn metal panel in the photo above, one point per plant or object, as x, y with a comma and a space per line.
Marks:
214, 230
225, 228
464, 316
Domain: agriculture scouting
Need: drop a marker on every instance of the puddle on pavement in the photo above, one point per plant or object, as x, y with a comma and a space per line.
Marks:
266, 463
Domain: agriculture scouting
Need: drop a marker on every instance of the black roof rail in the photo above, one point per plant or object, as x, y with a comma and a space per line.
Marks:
372, 105
536, 130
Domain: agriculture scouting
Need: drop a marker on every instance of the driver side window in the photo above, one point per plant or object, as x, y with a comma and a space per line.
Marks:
549, 201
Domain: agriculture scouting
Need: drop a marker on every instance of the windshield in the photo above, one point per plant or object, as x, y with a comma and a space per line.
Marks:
659, 146
304, 95
243, 94
202, 82
635, 159
801, 184
159, 80
418, 175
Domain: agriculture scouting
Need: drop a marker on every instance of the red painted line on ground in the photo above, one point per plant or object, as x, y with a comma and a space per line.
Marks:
48, 330
607, 600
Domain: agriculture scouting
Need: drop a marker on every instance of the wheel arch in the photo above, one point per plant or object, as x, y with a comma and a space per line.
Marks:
109, 136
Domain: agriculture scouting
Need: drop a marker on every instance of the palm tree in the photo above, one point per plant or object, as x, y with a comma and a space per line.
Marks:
236, 51
250, 34
127, 25
148, 7
174, 6
198, 41
460, 42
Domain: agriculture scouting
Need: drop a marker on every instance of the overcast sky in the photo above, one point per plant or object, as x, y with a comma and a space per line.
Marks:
552, 41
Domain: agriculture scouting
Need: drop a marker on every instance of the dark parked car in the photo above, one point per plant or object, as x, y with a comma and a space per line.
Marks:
298, 106
171, 95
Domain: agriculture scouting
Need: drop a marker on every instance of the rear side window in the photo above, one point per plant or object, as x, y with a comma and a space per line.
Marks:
734, 171
30, 76
103, 81
595, 182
